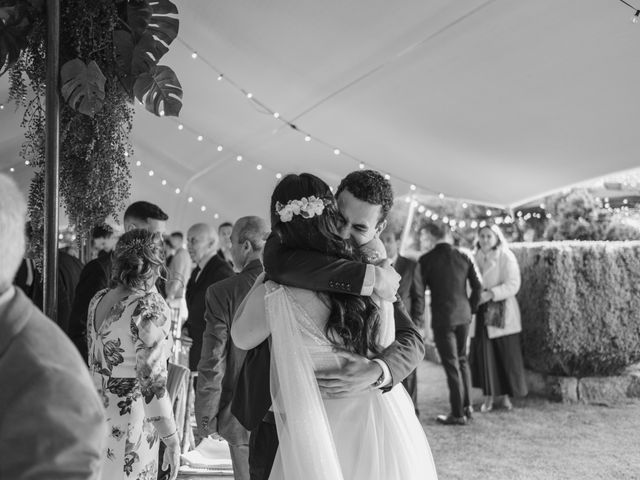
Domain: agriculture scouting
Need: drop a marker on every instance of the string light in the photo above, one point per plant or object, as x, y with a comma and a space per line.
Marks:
12, 169
219, 77
412, 187
194, 55
27, 162
161, 113
278, 175
307, 138
361, 166
387, 176
1, 106
239, 158
220, 148
138, 163
126, 154
258, 167
441, 196
249, 95
164, 182
190, 199
177, 191
200, 138
216, 216
203, 208
336, 151
276, 115
151, 172
464, 205
180, 127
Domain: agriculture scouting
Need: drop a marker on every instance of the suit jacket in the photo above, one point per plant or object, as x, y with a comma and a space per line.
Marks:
53, 422
446, 271
69, 271
95, 276
411, 289
221, 360
214, 271
317, 271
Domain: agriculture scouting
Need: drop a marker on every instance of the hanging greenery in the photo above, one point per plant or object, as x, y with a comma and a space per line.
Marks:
109, 54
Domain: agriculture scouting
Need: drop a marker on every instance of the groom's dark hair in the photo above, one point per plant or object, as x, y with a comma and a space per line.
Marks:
371, 187
354, 321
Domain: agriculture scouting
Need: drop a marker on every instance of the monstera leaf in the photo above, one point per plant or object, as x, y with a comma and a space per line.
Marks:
160, 91
14, 28
83, 86
151, 17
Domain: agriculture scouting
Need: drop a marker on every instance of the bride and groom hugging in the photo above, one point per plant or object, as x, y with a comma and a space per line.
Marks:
320, 387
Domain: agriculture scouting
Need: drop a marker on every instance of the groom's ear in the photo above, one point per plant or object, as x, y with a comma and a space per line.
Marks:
380, 227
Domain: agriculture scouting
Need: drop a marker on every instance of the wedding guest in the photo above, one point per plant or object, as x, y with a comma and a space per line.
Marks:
96, 274
69, 270
178, 271
202, 244
411, 292
129, 342
169, 251
103, 239
446, 271
53, 423
224, 232
221, 360
496, 355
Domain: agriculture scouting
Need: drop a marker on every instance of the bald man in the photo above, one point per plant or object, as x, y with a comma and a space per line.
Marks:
221, 360
202, 244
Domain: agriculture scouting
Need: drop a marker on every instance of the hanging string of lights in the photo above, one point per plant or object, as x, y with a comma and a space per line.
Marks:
636, 15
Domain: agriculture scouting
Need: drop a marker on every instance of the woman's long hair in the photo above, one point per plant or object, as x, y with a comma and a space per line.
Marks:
501, 241
354, 321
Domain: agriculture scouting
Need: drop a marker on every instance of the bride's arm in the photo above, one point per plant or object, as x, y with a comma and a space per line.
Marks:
249, 327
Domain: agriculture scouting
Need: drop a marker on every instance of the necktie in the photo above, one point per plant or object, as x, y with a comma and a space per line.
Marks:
196, 272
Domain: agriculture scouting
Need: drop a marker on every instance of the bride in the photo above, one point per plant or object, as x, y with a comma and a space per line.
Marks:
369, 435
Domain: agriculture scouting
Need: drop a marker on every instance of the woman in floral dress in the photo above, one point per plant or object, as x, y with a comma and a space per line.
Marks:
128, 332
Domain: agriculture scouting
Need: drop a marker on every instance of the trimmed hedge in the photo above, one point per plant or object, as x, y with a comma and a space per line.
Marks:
580, 304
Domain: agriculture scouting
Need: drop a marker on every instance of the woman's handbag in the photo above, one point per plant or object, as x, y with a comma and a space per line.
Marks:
495, 314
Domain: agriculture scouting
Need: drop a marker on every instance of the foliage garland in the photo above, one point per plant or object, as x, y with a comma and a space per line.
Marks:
109, 50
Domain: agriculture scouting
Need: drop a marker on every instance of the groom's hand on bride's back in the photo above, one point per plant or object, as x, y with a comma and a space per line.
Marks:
387, 281
357, 374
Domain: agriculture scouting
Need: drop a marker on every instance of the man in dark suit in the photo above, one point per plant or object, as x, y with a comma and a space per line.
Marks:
221, 360
96, 274
411, 292
53, 421
364, 199
202, 244
446, 271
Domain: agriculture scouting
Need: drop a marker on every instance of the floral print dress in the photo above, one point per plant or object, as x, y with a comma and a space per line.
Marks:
128, 363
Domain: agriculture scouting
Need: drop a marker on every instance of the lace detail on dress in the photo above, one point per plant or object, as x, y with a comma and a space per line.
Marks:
309, 328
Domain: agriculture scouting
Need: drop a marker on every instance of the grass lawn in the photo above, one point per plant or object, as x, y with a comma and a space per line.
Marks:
536, 440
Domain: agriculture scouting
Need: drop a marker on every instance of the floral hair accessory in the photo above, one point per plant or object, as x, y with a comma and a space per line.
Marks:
305, 207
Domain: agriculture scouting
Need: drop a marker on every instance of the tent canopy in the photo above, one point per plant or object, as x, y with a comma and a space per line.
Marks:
490, 101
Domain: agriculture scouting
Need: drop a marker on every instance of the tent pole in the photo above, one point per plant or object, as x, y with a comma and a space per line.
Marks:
407, 225
52, 158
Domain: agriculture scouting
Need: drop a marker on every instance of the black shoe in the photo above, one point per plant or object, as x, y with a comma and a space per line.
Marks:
451, 420
468, 411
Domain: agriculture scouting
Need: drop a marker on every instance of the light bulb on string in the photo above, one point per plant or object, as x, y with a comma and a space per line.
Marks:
249, 95
434, 217
138, 163
194, 55
177, 191
219, 77
27, 162
180, 126
414, 203
216, 216
474, 224
126, 154
428, 213
220, 148
488, 212
307, 138
239, 158
12, 169
190, 199
164, 182
387, 176
278, 175
258, 167
276, 115
151, 172
483, 224
336, 151
441, 196
407, 200
462, 224
412, 188
1, 106
421, 209
200, 138
161, 113
361, 166
203, 208
464, 205
445, 219
636, 17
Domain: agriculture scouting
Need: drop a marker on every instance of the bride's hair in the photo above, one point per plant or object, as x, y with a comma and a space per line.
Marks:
354, 320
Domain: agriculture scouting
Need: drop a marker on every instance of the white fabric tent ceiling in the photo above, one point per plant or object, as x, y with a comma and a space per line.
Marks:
491, 101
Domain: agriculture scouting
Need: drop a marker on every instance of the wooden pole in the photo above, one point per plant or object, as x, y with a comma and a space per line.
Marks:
52, 159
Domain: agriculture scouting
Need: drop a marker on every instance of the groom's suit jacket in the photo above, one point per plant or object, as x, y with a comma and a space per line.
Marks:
319, 272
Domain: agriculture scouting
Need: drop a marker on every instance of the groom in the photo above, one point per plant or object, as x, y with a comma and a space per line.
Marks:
364, 198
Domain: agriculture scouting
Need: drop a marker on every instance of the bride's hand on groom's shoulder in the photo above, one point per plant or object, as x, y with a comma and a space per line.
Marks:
387, 281
356, 375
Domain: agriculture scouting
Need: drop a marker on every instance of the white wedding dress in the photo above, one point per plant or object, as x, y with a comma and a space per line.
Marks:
368, 436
